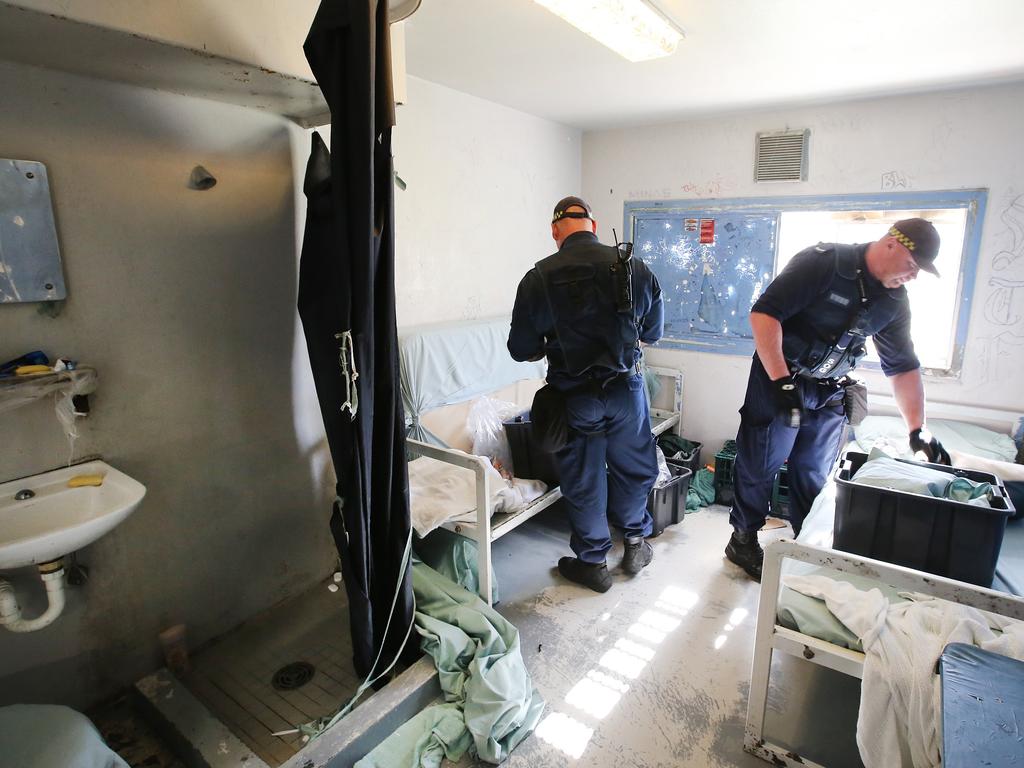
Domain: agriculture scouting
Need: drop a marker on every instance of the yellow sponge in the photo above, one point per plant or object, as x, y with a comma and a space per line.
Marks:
25, 370
79, 481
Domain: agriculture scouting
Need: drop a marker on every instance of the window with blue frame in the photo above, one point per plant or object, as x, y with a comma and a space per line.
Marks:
713, 259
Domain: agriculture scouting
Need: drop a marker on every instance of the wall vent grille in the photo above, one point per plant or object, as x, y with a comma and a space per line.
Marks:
781, 156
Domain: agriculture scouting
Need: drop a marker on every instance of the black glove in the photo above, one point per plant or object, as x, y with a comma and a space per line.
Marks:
788, 400
922, 441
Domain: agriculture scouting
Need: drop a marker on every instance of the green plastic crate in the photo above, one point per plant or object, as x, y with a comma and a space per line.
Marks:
780, 494
724, 461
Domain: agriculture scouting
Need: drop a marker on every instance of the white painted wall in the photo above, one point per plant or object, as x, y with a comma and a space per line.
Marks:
953, 140
482, 181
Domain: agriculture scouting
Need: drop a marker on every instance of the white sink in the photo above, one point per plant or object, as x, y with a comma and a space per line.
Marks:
58, 520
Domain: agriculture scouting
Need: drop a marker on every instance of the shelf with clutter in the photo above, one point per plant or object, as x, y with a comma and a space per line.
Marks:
31, 377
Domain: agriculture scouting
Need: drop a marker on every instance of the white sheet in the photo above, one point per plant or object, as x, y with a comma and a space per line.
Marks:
439, 492
900, 694
890, 434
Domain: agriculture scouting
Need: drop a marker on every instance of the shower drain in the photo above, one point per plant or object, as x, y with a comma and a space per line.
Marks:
292, 676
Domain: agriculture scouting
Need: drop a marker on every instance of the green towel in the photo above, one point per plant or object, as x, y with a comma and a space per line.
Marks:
671, 445
482, 674
702, 490
970, 492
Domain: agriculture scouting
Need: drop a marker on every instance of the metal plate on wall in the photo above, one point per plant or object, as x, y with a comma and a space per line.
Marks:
30, 267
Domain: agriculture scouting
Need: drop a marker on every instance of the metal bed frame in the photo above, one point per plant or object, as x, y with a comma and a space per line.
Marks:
489, 526
770, 637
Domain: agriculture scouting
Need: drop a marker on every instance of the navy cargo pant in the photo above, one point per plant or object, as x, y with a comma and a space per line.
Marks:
609, 465
765, 441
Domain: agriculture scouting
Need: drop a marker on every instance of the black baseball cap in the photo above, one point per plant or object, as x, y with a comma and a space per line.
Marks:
569, 202
920, 237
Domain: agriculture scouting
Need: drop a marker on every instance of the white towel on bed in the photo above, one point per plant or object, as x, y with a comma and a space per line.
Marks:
439, 492
900, 693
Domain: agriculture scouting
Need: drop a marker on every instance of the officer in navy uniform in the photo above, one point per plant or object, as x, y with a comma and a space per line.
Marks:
810, 328
569, 308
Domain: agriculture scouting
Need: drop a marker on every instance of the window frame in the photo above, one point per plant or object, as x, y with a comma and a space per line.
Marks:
973, 200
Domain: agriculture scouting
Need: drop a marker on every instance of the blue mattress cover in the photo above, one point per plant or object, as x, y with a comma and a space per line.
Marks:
982, 707
446, 363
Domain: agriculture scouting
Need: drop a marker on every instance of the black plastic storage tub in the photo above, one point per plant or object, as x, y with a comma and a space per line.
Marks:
940, 536
528, 460
692, 460
667, 504
689, 459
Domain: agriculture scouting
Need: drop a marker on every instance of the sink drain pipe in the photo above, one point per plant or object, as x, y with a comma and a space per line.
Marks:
52, 574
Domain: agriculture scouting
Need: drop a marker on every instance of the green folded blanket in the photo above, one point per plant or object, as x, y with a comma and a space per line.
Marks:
882, 471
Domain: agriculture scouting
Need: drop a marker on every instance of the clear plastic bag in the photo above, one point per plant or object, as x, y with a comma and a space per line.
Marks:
664, 473
486, 426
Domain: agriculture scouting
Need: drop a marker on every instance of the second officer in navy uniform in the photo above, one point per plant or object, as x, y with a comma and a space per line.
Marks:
810, 328
570, 308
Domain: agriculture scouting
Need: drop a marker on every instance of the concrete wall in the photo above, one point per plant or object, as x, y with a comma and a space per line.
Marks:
184, 302
962, 139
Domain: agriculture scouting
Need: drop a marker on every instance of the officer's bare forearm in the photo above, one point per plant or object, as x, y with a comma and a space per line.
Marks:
908, 389
768, 340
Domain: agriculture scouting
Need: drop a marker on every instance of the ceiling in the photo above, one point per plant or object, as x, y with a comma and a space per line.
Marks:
738, 55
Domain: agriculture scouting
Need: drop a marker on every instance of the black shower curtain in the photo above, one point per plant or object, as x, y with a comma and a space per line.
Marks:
347, 305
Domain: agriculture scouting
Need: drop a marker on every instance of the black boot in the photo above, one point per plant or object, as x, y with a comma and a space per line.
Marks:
593, 575
744, 550
637, 556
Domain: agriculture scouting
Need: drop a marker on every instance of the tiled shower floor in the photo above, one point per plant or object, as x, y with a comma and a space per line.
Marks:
233, 675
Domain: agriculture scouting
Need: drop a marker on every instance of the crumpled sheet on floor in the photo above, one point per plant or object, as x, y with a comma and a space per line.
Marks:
439, 492
491, 705
899, 721
456, 558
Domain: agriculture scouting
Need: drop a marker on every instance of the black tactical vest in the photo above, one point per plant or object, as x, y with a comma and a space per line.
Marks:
580, 287
826, 339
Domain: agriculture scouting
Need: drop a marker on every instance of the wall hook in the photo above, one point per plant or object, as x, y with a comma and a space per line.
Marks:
201, 178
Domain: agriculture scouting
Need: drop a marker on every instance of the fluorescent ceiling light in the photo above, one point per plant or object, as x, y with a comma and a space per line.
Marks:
634, 29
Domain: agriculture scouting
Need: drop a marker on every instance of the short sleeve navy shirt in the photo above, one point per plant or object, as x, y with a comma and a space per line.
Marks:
810, 274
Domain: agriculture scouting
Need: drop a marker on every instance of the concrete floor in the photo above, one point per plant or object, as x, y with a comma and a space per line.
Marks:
655, 672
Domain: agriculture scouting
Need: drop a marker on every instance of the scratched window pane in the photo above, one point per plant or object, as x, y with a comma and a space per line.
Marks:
712, 267
713, 259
